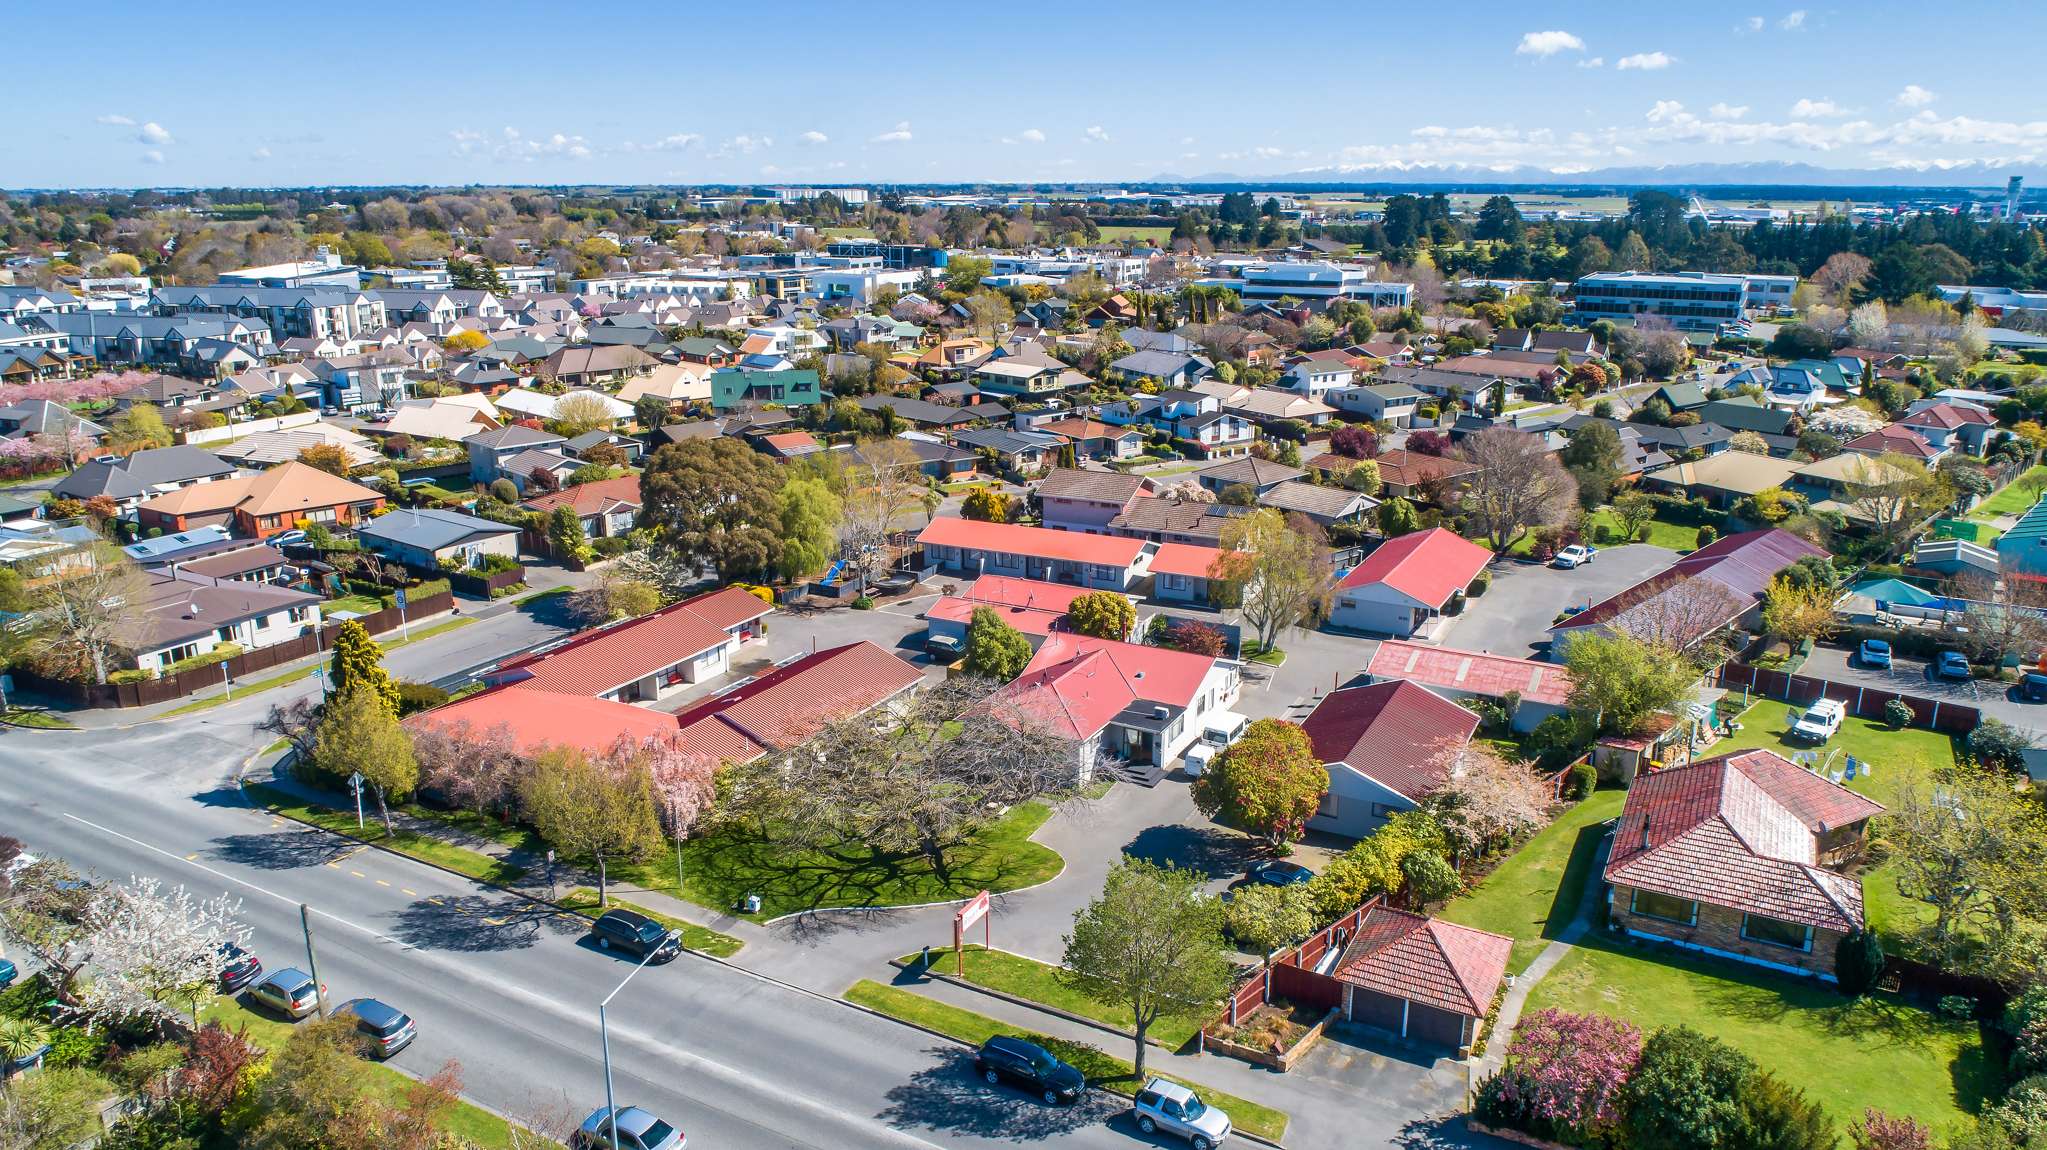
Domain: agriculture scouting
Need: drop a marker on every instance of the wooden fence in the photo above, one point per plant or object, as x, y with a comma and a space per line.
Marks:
171, 687
1292, 975
1864, 702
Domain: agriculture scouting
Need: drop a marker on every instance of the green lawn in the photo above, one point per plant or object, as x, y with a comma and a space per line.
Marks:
246, 688
725, 867
1270, 656
1117, 233
1534, 894
1039, 982
536, 596
480, 1127
1846, 1055
39, 719
426, 632
360, 604
1902, 760
1103, 1071
583, 900
2014, 499
1676, 536
426, 848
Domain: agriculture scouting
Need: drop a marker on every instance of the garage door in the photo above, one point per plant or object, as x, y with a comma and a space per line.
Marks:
1371, 1008
1435, 1027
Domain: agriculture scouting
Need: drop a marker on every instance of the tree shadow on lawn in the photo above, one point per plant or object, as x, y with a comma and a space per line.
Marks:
1211, 851
292, 849
949, 1098
1577, 876
726, 869
479, 924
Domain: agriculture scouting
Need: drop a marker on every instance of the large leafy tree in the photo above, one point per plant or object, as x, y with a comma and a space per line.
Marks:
1275, 573
995, 650
809, 514
1976, 854
359, 661
1619, 680
1102, 614
1269, 782
1151, 944
712, 502
592, 809
358, 732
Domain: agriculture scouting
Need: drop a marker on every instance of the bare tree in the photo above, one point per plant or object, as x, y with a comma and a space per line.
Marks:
1276, 574
883, 484
1894, 492
296, 722
2004, 617
1678, 614
477, 770
914, 783
87, 616
1519, 485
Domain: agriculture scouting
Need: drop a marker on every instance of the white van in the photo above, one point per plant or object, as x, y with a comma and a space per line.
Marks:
1219, 730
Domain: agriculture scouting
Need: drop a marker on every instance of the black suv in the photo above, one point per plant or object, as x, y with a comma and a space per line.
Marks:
635, 934
1031, 1066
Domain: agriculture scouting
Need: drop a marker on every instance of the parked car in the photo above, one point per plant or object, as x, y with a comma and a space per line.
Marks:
637, 1130
1030, 1066
1173, 1108
287, 538
1576, 555
8, 973
1952, 665
1279, 872
2032, 689
1875, 653
1820, 720
635, 934
290, 992
238, 968
387, 1028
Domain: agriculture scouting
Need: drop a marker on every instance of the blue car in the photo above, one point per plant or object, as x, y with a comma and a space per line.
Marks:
1952, 665
1875, 653
7, 974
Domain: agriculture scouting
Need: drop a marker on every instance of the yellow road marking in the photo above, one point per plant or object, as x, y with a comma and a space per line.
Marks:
381, 882
336, 866
434, 901
190, 857
410, 891
358, 874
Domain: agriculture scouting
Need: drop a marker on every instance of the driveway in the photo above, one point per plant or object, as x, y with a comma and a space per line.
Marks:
1911, 677
1514, 616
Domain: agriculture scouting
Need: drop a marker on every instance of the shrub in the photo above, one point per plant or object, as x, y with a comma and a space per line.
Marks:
131, 675
1996, 743
609, 546
1898, 714
72, 1046
864, 603
426, 589
1685, 1091
416, 697
1707, 534
1480, 584
1565, 1074
1580, 781
1858, 962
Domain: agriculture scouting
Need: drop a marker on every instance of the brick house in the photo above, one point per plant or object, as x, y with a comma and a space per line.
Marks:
1735, 856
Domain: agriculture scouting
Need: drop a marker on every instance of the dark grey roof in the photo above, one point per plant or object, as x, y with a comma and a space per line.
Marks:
430, 529
134, 475
513, 435
1746, 416
916, 410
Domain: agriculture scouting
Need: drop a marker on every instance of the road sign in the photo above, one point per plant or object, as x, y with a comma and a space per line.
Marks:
401, 598
975, 910
355, 781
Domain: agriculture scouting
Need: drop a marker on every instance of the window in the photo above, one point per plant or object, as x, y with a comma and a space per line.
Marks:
224, 634
262, 622
1384, 810
1649, 904
1776, 932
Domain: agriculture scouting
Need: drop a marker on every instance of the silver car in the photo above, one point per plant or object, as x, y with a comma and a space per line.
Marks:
637, 1130
289, 992
1173, 1108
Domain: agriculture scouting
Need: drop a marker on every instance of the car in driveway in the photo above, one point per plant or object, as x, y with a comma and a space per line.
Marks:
636, 934
1279, 872
7, 974
1874, 653
238, 968
1952, 665
1576, 555
1171, 1108
1006, 1059
2032, 688
637, 1130
386, 1030
289, 991
1820, 721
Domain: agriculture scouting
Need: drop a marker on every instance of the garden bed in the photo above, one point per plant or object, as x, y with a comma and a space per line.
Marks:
1276, 1034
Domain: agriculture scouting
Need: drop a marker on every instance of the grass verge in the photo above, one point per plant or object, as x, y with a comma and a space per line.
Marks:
1103, 1071
534, 596
1270, 656
40, 720
721, 869
425, 848
1535, 893
472, 1123
1038, 982
426, 632
249, 688
583, 900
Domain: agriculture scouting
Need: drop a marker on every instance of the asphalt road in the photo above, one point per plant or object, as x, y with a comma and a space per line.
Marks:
508, 988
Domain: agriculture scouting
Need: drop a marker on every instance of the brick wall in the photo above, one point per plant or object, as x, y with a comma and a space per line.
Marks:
1719, 927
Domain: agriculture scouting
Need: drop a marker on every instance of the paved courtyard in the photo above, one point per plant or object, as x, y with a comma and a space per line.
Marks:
1911, 677
1513, 617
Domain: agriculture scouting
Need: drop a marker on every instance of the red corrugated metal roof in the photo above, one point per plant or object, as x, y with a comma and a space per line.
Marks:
1744, 564
726, 607
1184, 559
1473, 672
611, 657
1038, 542
1390, 733
540, 719
1427, 566
788, 705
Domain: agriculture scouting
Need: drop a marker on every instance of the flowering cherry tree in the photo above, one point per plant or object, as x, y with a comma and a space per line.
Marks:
1569, 1068
156, 955
685, 781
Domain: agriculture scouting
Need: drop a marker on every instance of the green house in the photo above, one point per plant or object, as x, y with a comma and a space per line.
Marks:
733, 388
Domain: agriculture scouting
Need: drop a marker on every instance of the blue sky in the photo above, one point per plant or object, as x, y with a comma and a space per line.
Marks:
516, 92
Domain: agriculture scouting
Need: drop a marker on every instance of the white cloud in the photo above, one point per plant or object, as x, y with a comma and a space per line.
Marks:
1814, 109
679, 141
153, 134
1593, 62
260, 154
152, 157
1548, 43
900, 134
1752, 24
1031, 136
118, 120
1793, 20
1914, 96
1267, 153
741, 145
814, 137
1727, 111
1095, 134
1644, 62
1664, 110
511, 144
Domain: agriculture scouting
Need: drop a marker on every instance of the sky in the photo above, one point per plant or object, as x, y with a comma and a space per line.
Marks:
283, 94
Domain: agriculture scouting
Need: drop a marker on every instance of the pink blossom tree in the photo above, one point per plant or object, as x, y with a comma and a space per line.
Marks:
478, 770
1569, 1068
685, 780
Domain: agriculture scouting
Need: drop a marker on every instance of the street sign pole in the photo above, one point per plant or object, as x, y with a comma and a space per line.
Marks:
355, 784
404, 627
227, 681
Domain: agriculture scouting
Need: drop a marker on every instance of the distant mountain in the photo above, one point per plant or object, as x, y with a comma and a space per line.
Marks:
1759, 173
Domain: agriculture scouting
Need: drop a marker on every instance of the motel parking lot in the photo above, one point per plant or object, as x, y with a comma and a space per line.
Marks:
1514, 616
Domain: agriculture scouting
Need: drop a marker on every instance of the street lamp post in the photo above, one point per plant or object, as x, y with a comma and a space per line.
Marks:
604, 1034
